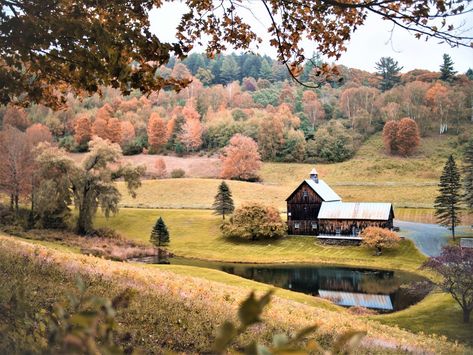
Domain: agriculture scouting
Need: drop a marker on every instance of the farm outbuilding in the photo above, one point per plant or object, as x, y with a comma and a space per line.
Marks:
315, 209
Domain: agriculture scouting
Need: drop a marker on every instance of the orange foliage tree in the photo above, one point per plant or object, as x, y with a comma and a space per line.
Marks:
157, 132
127, 132
100, 127
82, 129
390, 136
439, 101
312, 107
191, 134
160, 167
38, 133
114, 130
408, 137
240, 159
379, 239
15, 117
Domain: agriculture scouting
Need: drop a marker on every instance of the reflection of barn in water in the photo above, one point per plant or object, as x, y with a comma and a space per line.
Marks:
376, 289
315, 209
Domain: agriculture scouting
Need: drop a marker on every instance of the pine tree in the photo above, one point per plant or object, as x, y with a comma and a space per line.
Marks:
389, 70
468, 170
159, 234
469, 73
446, 69
447, 204
223, 203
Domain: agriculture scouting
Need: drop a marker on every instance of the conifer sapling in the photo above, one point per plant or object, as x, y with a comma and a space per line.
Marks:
223, 204
160, 233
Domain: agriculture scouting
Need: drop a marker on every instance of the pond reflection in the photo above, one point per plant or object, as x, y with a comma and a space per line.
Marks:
383, 290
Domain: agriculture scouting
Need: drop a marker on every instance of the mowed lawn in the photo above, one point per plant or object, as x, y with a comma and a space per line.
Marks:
196, 234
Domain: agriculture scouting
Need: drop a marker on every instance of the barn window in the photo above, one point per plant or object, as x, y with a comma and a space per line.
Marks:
314, 226
305, 195
296, 225
338, 231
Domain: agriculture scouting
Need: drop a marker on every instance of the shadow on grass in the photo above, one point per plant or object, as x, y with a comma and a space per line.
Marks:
260, 242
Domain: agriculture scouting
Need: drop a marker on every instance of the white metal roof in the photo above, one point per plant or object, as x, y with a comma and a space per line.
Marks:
323, 190
313, 172
358, 299
355, 210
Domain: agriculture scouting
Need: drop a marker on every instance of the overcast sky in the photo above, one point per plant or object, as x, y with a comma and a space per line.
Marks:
370, 42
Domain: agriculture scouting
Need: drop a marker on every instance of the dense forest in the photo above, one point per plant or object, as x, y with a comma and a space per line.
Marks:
326, 119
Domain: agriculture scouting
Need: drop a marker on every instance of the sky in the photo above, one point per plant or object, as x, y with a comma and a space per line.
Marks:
373, 40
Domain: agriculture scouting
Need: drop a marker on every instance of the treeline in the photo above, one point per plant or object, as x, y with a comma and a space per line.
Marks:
289, 122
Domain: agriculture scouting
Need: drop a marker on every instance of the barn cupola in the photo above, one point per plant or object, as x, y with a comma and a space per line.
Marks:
314, 176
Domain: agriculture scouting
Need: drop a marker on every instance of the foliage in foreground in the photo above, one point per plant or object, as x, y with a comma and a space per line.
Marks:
456, 267
379, 239
249, 313
255, 221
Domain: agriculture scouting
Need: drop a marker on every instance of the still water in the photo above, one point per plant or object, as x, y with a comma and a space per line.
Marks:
382, 290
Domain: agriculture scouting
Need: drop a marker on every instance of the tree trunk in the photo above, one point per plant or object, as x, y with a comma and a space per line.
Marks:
378, 251
466, 315
223, 215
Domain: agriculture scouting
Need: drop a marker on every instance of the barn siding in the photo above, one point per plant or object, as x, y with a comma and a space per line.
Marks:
303, 207
330, 226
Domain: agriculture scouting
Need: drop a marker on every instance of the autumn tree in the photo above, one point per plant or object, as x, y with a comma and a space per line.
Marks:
16, 165
379, 239
390, 136
223, 201
89, 185
448, 202
82, 129
191, 134
127, 131
240, 159
157, 132
455, 265
271, 136
407, 136
440, 104
114, 130
388, 69
160, 167
254, 222
447, 72
100, 126
38, 133
15, 117
312, 107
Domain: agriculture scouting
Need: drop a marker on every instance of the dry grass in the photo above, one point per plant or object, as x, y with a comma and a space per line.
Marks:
193, 307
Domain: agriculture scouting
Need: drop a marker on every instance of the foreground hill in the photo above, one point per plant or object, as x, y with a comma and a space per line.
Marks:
171, 311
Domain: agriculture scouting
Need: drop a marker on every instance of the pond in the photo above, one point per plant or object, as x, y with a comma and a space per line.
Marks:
381, 290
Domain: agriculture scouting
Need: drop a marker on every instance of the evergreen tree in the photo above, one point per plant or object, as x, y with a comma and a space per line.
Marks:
223, 203
447, 204
266, 71
159, 234
389, 70
446, 69
230, 70
468, 170
469, 73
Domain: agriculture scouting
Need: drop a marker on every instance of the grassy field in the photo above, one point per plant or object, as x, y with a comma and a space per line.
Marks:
371, 176
196, 234
438, 313
171, 310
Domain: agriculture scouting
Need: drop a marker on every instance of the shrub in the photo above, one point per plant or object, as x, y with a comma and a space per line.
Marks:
132, 147
379, 238
178, 173
253, 222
